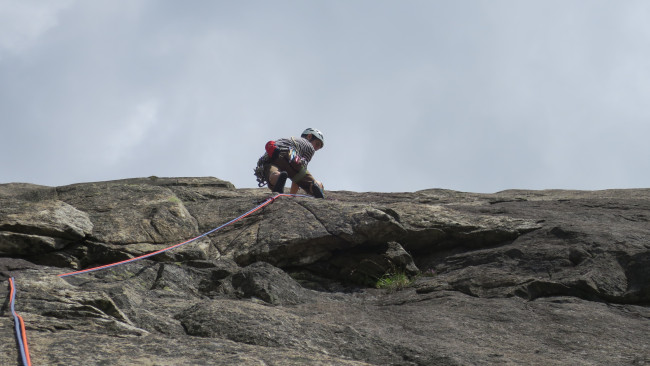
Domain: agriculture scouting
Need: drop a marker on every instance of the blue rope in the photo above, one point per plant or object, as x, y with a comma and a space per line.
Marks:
18, 324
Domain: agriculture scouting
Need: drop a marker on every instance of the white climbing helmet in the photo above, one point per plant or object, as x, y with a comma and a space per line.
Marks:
314, 132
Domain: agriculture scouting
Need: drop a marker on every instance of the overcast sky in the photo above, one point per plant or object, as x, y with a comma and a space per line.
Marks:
469, 95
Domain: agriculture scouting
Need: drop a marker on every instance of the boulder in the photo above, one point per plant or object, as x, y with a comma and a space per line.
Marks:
33, 228
270, 284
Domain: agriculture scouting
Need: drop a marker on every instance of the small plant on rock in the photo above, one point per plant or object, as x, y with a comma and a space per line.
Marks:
174, 199
393, 281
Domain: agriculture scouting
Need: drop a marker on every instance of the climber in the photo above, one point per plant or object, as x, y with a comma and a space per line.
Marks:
289, 158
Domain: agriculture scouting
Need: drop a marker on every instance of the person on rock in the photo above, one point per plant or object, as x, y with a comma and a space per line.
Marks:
289, 157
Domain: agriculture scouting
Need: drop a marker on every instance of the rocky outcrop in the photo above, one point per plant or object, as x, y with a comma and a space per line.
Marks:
516, 277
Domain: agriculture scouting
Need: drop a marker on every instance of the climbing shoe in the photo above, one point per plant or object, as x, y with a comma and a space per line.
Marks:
279, 184
317, 191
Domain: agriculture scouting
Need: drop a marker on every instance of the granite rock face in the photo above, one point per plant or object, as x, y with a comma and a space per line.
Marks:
515, 277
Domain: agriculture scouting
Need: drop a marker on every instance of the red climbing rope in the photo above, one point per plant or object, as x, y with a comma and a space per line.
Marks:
265, 203
21, 335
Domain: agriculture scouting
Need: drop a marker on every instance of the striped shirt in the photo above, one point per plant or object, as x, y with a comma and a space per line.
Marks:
301, 145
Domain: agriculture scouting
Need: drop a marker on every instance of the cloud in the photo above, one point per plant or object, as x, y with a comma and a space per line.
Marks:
23, 22
476, 96
122, 141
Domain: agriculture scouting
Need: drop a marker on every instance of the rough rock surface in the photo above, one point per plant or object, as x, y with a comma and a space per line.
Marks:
511, 278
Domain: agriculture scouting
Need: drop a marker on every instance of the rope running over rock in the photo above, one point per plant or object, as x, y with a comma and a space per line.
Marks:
21, 335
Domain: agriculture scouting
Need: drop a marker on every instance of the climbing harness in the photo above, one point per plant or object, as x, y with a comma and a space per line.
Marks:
295, 159
21, 335
273, 150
